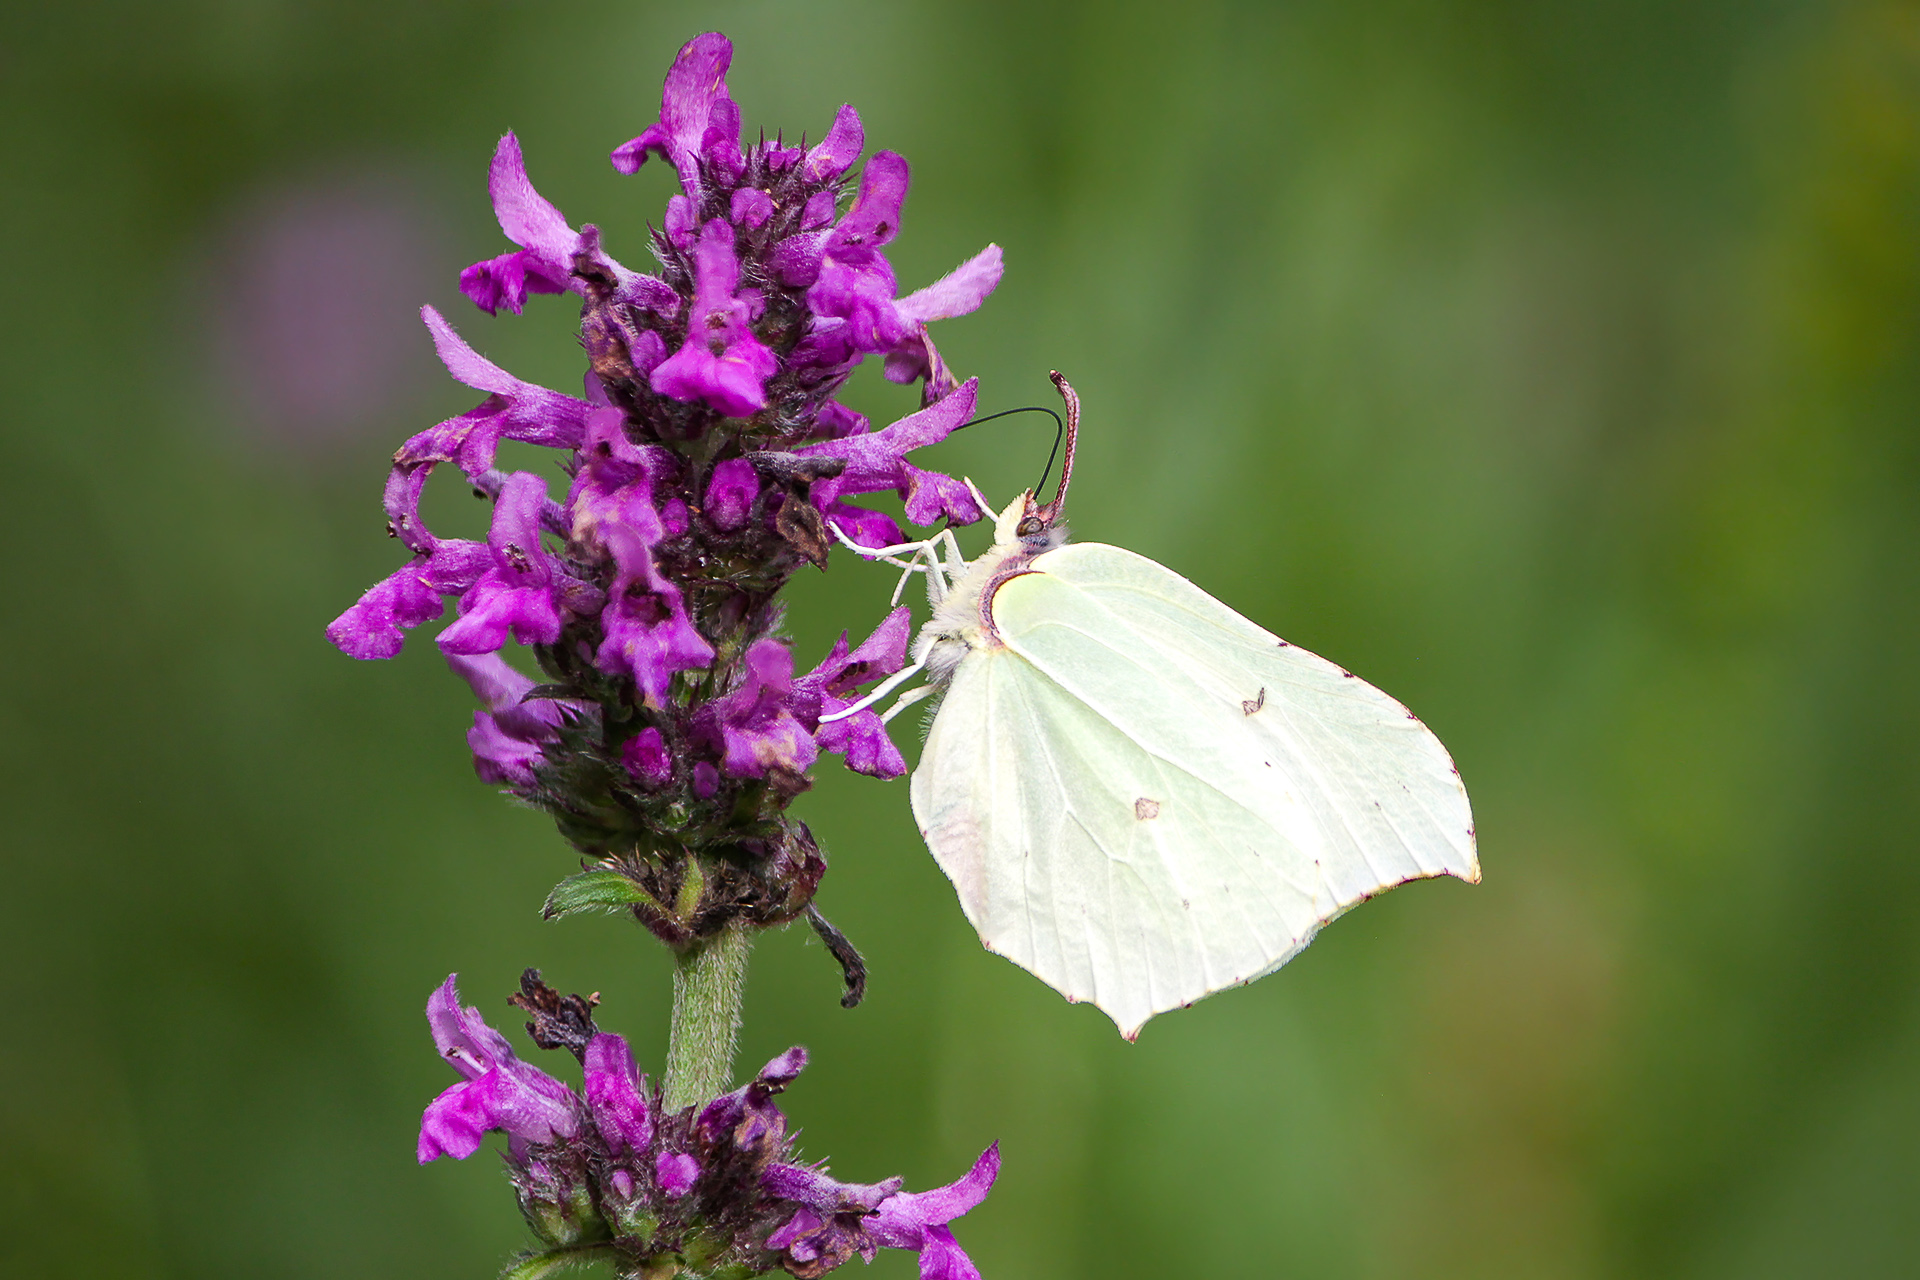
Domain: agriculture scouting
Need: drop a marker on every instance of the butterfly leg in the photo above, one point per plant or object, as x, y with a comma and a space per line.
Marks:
878, 692
887, 555
987, 509
900, 587
941, 569
941, 573
937, 581
956, 562
876, 553
906, 700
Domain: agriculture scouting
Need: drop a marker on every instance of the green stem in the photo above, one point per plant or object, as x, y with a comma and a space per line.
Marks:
709, 985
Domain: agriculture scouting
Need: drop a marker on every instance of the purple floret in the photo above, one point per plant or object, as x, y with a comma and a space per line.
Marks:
721, 362
696, 84
509, 738
500, 1092
831, 686
753, 728
617, 1095
520, 591
544, 260
835, 1220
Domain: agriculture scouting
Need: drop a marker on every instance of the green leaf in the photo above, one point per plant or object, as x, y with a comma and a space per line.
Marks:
538, 1266
598, 887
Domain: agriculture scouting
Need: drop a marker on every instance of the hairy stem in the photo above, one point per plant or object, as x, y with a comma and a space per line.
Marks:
709, 985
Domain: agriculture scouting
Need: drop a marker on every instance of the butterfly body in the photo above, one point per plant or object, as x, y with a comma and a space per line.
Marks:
962, 621
1143, 797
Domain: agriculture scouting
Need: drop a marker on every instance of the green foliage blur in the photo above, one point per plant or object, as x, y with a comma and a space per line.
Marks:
1555, 366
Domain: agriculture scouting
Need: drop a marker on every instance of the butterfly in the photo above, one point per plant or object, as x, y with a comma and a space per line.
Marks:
1141, 797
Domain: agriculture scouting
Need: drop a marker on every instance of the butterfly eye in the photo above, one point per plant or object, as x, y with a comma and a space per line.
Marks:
1041, 537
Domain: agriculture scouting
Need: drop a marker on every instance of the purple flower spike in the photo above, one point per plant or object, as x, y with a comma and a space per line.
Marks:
721, 362
508, 738
835, 1220
500, 1092
617, 1095
696, 83
708, 462
722, 1178
755, 725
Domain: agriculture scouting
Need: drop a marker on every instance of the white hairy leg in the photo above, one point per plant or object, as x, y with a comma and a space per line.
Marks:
906, 700
879, 691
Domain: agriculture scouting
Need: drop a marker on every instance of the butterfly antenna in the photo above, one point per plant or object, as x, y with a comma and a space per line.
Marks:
1059, 430
1066, 430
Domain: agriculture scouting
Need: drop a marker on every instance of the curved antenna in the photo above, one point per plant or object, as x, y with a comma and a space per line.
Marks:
1059, 431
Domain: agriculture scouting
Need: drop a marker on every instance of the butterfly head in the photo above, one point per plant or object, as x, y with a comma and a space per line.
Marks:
1028, 525
1042, 525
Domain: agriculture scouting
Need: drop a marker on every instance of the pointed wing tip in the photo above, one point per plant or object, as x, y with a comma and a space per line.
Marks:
1472, 874
1127, 1022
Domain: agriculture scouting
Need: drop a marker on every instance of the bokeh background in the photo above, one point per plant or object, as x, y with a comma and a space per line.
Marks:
1556, 366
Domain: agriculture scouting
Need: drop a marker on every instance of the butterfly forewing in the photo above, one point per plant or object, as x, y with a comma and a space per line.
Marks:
1387, 800
1143, 798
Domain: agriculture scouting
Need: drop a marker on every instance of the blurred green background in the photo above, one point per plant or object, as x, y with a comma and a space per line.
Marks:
1554, 366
